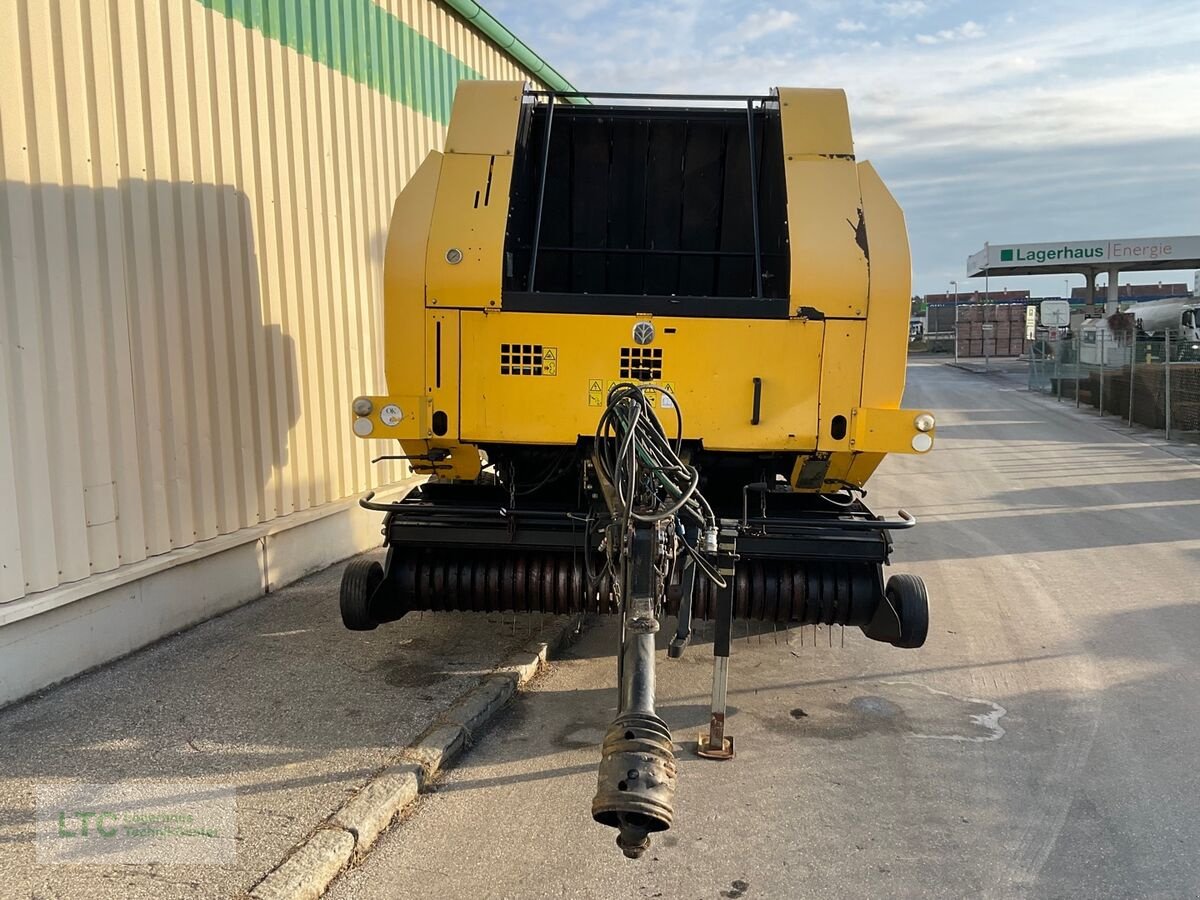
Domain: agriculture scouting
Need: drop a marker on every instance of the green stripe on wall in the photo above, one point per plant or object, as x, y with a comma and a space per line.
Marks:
363, 42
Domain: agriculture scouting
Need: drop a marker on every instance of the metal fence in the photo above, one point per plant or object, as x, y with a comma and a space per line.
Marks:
1151, 382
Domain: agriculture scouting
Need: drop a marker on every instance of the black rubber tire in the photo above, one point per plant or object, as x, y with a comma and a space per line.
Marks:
911, 601
359, 582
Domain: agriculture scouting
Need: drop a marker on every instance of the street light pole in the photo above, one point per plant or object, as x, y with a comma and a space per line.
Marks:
955, 283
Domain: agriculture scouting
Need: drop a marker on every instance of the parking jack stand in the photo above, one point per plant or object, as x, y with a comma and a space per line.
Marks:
717, 744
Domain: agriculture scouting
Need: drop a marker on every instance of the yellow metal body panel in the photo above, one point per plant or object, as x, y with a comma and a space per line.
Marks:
414, 424
839, 471
709, 364
829, 266
404, 276
483, 119
441, 368
445, 323
463, 463
887, 430
466, 237
841, 375
863, 466
886, 353
816, 122
436, 341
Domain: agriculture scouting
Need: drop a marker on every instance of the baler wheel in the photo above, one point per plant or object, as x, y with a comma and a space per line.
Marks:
359, 582
909, 598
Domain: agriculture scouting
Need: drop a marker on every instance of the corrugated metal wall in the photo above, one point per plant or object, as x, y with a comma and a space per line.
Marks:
194, 197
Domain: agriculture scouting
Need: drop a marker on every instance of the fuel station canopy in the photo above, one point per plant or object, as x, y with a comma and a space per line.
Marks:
1116, 255
1087, 258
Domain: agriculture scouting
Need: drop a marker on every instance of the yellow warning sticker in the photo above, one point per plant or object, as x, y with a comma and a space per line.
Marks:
549, 360
599, 388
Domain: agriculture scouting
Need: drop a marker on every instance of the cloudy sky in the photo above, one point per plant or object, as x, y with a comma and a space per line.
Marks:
1002, 122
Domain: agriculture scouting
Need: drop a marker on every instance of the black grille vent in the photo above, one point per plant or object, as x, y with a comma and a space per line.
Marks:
641, 363
520, 359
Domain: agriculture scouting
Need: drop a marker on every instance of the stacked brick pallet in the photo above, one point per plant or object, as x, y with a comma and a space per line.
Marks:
1006, 337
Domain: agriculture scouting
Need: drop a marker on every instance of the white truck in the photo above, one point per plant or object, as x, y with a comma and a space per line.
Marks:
1154, 320
1178, 315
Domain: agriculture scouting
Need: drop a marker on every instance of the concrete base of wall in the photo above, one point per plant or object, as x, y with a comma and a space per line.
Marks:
54, 635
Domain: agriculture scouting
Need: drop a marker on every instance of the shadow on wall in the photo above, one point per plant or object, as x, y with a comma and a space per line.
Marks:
377, 247
161, 386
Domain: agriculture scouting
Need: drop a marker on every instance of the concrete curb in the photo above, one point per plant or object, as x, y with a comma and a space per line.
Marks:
306, 873
348, 834
988, 372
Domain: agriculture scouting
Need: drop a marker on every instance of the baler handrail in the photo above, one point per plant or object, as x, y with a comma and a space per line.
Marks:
745, 101
414, 508
394, 505
541, 196
634, 95
758, 290
837, 521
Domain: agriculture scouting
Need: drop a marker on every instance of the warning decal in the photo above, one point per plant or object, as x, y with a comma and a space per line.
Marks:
549, 360
599, 388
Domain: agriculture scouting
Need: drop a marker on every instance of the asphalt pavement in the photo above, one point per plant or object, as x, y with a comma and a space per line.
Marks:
1042, 744
275, 701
